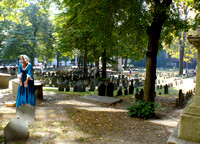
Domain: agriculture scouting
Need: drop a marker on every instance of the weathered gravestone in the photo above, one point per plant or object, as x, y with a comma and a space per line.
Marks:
67, 87
119, 92
131, 88
110, 89
26, 112
125, 91
166, 89
16, 129
92, 85
54, 81
102, 89
61, 87
73, 83
181, 99
79, 86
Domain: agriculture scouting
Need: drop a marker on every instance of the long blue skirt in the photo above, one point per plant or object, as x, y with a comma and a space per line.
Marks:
26, 95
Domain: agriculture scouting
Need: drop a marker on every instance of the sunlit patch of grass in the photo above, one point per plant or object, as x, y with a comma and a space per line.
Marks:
73, 93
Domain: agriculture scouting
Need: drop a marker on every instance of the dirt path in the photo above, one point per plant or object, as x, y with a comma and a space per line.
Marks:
68, 119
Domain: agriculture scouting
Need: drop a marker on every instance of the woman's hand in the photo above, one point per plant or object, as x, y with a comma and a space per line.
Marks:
26, 83
20, 83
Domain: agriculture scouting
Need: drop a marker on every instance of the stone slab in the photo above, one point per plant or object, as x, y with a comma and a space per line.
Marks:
16, 129
26, 112
173, 139
102, 99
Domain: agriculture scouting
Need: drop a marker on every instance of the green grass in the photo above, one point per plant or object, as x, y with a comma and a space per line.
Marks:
172, 92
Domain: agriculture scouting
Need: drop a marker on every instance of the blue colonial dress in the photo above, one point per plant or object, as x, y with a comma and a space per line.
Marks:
26, 95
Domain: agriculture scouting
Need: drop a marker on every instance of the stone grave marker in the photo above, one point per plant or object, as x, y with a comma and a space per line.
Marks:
110, 89
92, 85
79, 86
119, 92
166, 89
125, 91
115, 86
67, 87
73, 83
16, 129
137, 90
102, 89
26, 112
131, 88
54, 81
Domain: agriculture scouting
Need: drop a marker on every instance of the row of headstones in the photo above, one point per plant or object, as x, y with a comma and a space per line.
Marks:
183, 99
17, 128
54, 79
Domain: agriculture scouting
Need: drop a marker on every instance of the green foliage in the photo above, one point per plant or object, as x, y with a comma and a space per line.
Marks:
142, 109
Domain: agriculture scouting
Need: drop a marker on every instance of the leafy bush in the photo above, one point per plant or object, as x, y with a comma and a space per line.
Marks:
142, 109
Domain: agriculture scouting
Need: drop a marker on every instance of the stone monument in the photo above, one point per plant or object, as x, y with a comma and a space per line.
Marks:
189, 126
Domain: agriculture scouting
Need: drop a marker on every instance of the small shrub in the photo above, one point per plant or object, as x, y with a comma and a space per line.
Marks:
142, 109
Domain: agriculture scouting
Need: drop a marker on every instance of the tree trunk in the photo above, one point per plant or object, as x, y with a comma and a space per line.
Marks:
125, 65
153, 33
182, 49
104, 64
181, 57
58, 58
85, 59
97, 63
32, 61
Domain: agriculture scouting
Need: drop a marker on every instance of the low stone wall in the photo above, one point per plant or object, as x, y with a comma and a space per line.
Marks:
4, 80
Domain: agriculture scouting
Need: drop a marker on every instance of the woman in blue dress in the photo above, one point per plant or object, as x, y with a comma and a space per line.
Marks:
26, 91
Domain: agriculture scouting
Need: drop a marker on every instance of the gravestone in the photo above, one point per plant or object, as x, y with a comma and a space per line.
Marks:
115, 86
54, 81
79, 86
110, 89
61, 87
181, 98
125, 91
102, 89
16, 129
141, 94
137, 90
26, 112
92, 85
66, 85
131, 88
119, 92
166, 89
73, 83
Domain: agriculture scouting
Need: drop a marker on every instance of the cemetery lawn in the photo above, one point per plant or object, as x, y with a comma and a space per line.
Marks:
64, 117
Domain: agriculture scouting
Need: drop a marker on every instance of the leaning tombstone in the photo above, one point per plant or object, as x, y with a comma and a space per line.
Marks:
26, 112
16, 129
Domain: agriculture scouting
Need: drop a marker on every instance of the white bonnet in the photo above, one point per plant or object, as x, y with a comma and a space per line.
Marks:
26, 59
